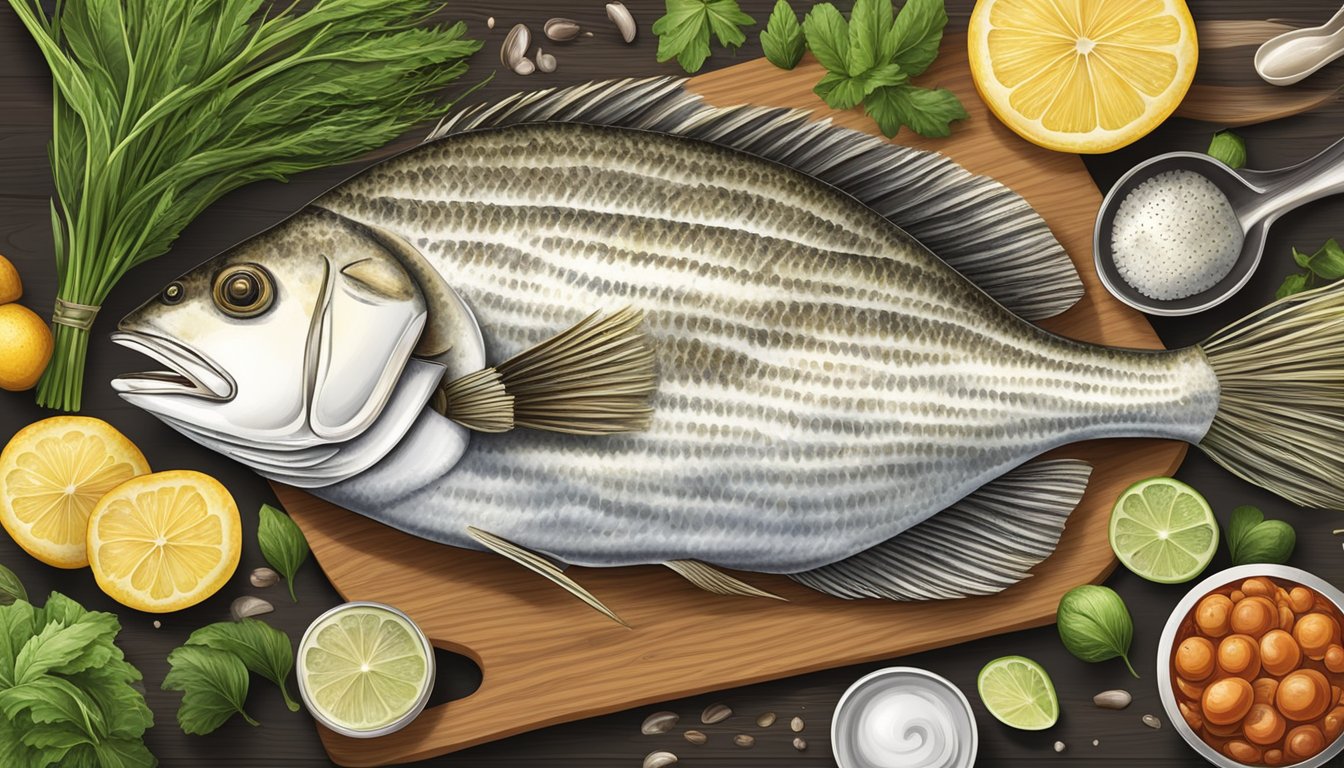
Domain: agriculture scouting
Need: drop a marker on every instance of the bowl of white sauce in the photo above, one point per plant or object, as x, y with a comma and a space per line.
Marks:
904, 717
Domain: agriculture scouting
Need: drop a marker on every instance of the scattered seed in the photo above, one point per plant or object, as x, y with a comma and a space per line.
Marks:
1151, 721
1096, 742
157, 624
797, 725
715, 713
1115, 699
490, 23
524, 67
1059, 746
696, 737
545, 62
745, 741
561, 30
800, 744
248, 606
515, 46
264, 577
587, 34
766, 720
659, 760
659, 722
620, 16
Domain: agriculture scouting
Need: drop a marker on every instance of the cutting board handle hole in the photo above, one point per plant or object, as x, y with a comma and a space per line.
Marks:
456, 677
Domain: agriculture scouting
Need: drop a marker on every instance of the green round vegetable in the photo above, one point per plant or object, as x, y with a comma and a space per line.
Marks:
1253, 539
1094, 624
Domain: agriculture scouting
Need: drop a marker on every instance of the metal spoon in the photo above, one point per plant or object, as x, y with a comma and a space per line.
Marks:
1292, 56
1259, 198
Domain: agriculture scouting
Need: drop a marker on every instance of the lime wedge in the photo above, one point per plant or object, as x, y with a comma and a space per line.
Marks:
364, 667
1163, 530
1019, 693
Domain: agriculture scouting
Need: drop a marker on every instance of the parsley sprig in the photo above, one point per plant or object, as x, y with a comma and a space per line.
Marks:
1323, 266
683, 32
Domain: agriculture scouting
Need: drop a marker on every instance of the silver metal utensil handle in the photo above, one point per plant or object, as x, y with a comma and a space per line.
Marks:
1295, 186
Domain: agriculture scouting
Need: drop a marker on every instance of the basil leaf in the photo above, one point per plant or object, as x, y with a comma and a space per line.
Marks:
1302, 259
1253, 539
841, 91
827, 35
1292, 284
213, 684
1095, 625
262, 648
1328, 262
928, 111
870, 24
782, 39
11, 588
1229, 148
918, 32
282, 544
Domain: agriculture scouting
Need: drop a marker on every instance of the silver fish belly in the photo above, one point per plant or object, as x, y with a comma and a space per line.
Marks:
825, 382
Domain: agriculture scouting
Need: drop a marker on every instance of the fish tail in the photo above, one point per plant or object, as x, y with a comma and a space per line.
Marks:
1280, 419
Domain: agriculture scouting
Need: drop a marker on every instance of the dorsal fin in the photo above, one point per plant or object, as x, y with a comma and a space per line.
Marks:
981, 228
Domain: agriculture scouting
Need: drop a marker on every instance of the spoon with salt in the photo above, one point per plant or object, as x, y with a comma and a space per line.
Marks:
1182, 232
1293, 56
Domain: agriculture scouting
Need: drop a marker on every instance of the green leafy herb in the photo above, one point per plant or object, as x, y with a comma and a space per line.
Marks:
213, 684
683, 32
282, 544
782, 39
263, 649
1253, 539
870, 59
1229, 148
11, 588
67, 693
163, 107
1094, 624
1325, 265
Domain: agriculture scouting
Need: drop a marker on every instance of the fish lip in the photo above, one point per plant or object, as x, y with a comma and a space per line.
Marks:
191, 374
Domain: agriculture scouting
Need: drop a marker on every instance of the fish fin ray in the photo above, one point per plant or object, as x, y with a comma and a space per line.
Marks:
980, 227
981, 545
715, 581
541, 566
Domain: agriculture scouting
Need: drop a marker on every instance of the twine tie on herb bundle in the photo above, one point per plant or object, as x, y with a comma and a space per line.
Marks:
78, 316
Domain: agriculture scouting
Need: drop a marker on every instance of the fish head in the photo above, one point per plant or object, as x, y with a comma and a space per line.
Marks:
295, 338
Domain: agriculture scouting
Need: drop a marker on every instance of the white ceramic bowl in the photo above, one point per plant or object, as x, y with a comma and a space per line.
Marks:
849, 714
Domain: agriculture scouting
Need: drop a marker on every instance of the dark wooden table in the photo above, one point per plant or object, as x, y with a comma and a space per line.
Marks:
288, 739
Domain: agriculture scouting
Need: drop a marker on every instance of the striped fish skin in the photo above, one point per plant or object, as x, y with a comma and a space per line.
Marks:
825, 382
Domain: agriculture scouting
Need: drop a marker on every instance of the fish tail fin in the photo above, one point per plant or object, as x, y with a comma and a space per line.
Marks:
1280, 417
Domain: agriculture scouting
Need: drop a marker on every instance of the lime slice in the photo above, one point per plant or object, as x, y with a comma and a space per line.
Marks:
364, 667
1163, 530
1019, 693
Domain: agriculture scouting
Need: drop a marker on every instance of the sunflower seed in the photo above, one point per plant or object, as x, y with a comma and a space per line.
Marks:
659, 760
264, 577
1151, 721
490, 23
715, 713
620, 16
1115, 699
659, 722
800, 744
248, 606
797, 725
766, 720
696, 737
561, 30
744, 740
1059, 746
515, 46
158, 624
545, 62
525, 67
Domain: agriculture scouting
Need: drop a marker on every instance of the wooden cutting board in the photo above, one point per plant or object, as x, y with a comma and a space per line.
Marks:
546, 658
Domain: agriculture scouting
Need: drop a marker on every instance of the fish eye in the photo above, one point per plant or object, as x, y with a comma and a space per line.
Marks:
244, 291
173, 293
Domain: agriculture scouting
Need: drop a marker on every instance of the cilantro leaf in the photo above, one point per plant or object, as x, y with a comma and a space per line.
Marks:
827, 35
1328, 262
213, 684
928, 111
726, 20
782, 39
282, 544
919, 32
683, 32
1292, 284
11, 588
841, 91
871, 39
262, 648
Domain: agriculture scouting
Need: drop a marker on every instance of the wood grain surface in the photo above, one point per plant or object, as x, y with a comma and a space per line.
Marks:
1092, 736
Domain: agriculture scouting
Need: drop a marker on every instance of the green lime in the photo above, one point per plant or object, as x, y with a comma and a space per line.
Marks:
1019, 693
1163, 530
364, 667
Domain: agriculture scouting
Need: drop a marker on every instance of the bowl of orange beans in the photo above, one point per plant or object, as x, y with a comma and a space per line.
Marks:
1251, 668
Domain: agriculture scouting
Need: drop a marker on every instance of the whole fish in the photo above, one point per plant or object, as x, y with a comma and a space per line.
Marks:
778, 377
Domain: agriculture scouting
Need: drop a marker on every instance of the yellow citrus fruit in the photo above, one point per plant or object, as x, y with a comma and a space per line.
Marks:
11, 287
52, 474
166, 541
1082, 76
25, 347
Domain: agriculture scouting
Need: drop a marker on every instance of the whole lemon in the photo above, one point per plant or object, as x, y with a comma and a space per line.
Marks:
11, 287
25, 347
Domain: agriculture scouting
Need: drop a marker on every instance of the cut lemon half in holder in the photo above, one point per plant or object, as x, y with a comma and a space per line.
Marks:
1163, 530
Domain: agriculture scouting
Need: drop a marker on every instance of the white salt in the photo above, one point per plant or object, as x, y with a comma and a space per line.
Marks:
1175, 235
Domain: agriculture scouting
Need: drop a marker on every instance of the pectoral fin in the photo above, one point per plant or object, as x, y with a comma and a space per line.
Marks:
540, 565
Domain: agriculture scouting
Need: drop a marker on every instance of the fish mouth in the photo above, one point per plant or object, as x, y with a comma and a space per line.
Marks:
190, 373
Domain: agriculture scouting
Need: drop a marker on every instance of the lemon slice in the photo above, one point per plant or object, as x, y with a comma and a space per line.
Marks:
363, 667
1088, 76
166, 541
52, 474
1163, 530
1018, 692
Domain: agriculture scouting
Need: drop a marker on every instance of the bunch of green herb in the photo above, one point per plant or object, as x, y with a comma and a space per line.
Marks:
162, 106
1229, 148
783, 41
1325, 265
11, 589
683, 32
871, 58
67, 693
212, 670
1095, 625
282, 544
1253, 539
